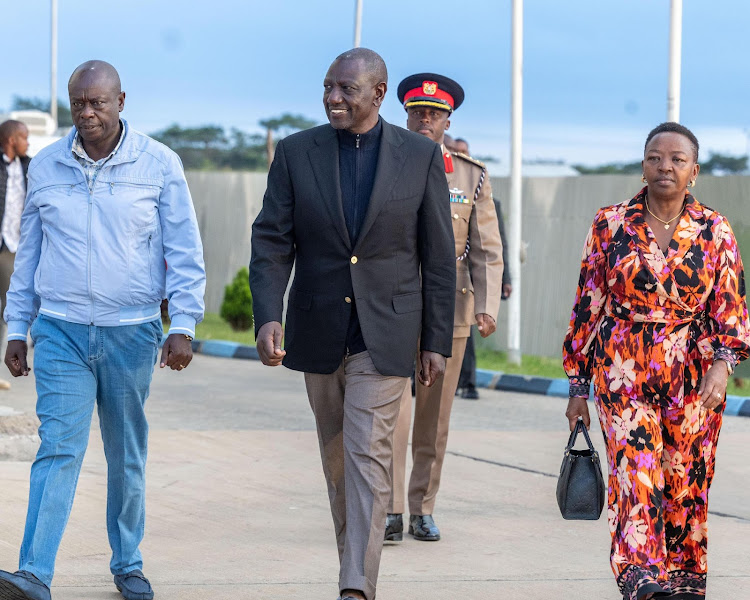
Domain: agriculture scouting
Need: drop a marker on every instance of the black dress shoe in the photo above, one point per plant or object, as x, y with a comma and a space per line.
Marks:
394, 528
470, 393
423, 528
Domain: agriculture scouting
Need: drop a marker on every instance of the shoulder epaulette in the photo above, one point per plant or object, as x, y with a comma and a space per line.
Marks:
468, 158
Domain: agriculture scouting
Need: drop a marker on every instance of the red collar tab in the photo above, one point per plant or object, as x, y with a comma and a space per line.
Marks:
448, 160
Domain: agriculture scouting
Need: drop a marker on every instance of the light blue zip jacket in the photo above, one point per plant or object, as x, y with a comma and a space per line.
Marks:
99, 258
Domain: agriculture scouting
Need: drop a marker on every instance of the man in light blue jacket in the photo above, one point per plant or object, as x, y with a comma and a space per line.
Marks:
107, 232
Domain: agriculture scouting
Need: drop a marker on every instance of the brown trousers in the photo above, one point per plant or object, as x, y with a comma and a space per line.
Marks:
356, 410
432, 416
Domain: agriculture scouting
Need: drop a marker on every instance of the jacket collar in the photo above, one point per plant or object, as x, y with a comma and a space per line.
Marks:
126, 151
80, 151
324, 158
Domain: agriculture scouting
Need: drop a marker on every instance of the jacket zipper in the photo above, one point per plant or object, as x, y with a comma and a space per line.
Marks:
356, 183
88, 252
150, 274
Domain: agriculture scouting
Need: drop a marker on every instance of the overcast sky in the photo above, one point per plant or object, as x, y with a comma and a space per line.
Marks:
595, 72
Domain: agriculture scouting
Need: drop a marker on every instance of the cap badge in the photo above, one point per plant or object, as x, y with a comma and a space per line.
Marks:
429, 88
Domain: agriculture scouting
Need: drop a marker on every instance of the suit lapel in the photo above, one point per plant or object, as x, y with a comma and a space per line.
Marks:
324, 158
391, 160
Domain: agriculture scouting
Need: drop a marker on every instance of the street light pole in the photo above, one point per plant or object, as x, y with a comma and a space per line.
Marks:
514, 230
53, 64
675, 61
358, 24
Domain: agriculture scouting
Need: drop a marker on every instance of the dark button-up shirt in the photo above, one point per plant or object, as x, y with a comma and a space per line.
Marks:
358, 161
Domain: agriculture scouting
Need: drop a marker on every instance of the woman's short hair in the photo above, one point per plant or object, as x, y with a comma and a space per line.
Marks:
672, 127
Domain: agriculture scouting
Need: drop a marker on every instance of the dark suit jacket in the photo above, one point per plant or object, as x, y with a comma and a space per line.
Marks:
407, 230
501, 226
25, 160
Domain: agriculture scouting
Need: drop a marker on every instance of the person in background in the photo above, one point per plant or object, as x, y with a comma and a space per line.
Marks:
429, 101
461, 146
106, 207
467, 381
659, 323
360, 209
14, 143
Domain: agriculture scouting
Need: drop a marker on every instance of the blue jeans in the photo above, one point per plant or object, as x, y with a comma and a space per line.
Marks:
77, 366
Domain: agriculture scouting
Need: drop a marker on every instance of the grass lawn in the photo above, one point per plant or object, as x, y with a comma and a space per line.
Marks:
214, 327
541, 366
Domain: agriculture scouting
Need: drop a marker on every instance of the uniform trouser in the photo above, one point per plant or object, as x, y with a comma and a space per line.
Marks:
355, 410
7, 260
429, 438
661, 463
468, 376
76, 367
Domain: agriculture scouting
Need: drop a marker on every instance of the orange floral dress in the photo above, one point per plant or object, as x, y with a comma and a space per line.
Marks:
645, 328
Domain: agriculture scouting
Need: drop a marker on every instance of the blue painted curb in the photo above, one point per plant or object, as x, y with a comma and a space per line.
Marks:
492, 380
225, 349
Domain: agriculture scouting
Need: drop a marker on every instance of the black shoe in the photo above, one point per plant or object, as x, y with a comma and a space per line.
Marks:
134, 586
470, 393
394, 528
22, 585
423, 528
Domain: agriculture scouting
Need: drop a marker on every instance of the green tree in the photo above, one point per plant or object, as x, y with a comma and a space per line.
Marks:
611, 169
237, 308
198, 147
283, 126
63, 109
246, 151
723, 164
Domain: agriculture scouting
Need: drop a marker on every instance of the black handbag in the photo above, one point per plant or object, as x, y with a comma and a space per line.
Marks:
580, 488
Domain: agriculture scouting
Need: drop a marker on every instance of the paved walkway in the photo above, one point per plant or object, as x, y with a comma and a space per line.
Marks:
237, 507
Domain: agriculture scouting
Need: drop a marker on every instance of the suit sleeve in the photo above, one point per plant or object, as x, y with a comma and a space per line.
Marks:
273, 244
485, 251
503, 239
438, 263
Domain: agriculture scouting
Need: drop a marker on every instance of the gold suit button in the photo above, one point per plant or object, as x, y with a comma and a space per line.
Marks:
463, 290
354, 260
348, 300
455, 216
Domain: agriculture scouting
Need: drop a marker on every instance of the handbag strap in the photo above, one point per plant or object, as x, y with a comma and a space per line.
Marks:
579, 428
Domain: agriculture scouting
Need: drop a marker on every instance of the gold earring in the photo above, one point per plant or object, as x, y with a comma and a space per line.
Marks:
643, 179
692, 183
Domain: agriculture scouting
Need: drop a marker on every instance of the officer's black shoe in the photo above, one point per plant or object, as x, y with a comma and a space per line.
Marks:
394, 528
423, 528
470, 393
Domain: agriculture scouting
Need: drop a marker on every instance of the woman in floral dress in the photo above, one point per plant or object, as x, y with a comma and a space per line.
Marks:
659, 323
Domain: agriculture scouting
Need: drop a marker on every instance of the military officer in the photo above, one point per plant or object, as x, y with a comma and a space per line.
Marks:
429, 101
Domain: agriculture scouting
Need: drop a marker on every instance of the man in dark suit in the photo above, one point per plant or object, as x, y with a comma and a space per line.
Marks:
14, 142
360, 208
